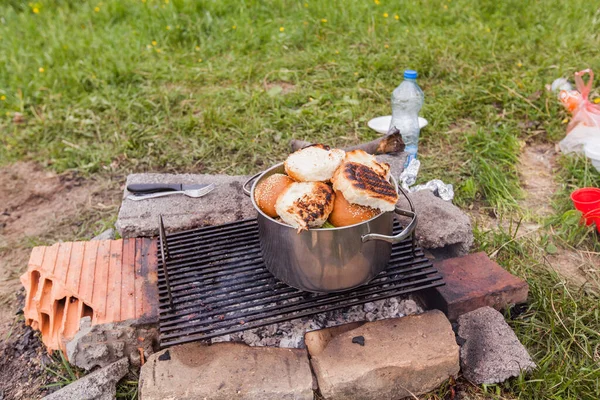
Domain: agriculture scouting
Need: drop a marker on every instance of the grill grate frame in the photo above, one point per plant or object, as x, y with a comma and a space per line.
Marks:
213, 282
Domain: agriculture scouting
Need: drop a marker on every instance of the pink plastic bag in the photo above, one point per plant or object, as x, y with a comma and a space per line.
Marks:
577, 102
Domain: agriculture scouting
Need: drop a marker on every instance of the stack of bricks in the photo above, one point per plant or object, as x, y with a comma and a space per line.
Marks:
109, 281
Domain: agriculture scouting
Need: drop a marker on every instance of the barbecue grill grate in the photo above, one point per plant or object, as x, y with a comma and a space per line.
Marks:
213, 282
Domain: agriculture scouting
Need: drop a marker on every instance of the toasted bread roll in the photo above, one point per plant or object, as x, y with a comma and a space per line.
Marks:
345, 213
361, 185
364, 158
313, 163
268, 190
305, 205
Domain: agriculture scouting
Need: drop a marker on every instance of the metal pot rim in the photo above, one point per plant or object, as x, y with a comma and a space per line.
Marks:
258, 177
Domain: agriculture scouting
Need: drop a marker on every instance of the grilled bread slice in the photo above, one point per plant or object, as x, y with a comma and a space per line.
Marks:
364, 158
305, 205
361, 185
313, 163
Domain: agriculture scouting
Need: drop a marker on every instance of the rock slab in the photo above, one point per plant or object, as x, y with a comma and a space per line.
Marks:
226, 371
387, 359
226, 203
491, 352
99, 345
99, 385
441, 225
475, 281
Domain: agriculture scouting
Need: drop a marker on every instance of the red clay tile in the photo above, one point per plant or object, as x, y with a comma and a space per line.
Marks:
109, 281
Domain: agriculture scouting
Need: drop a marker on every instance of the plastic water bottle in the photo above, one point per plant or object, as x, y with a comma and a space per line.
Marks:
407, 100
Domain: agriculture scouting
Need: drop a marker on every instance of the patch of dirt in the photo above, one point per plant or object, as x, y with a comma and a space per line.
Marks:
536, 168
23, 363
578, 267
38, 207
41, 207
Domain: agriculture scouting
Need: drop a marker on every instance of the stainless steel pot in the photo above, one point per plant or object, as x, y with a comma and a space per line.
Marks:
327, 260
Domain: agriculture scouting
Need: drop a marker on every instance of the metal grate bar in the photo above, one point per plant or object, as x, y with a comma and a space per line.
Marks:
219, 286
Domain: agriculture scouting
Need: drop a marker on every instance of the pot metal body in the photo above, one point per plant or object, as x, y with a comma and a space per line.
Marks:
327, 260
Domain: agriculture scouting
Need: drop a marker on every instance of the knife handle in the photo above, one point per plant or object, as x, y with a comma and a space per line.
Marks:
153, 187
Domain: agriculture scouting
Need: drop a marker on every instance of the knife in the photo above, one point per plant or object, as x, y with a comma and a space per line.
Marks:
144, 188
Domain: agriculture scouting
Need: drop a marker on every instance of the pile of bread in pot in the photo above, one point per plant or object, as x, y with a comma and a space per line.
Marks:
324, 184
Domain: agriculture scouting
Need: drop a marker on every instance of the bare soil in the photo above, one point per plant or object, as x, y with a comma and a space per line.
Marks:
536, 167
38, 207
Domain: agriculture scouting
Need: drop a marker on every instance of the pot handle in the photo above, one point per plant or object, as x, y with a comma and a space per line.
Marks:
245, 186
406, 232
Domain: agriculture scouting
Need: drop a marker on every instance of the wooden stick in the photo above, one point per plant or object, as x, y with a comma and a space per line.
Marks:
391, 143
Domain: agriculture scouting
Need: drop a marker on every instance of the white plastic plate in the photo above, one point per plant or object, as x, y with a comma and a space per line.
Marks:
382, 124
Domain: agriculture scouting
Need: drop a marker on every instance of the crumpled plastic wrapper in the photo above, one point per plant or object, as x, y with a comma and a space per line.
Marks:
408, 177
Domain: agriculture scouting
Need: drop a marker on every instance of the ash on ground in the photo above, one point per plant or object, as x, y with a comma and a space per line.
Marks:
291, 334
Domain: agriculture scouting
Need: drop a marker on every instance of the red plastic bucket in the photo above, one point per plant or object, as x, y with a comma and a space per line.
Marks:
586, 200
593, 217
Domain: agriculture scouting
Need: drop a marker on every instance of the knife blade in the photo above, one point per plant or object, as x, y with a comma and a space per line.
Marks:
145, 188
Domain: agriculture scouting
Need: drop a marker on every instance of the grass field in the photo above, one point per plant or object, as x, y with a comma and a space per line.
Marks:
116, 86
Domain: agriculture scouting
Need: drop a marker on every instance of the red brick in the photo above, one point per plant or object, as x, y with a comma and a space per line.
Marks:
472, 282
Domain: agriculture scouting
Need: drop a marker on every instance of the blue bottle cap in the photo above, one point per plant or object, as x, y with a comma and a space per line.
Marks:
410, 74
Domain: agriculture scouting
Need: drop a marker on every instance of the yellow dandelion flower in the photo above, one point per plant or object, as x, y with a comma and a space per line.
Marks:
396, 17
8, 114
356, 74
149, 46
385, 15
158, 50
3, 98
199, 60
564, 121
234, 27
387, 46
597, 100
488, 30
168, 27
197, 48
323, 20
519, 64
97, 9
166, 1
41, 70
154, 43
337, 52
281, 29
445, 6
305, 5
377, 2
36, 10
143, 1
407, 31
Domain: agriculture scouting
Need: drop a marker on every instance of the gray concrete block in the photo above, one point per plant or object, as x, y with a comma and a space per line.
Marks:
441, 225
99, 385
227, 203
490, 351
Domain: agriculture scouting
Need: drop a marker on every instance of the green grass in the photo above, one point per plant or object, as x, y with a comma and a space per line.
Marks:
117, 86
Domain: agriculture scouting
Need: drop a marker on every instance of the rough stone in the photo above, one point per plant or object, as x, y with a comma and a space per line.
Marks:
491, 352
400, 357
472, 282
99, 385
226, 203
226, 371
100, 345
108, 234
441, 225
